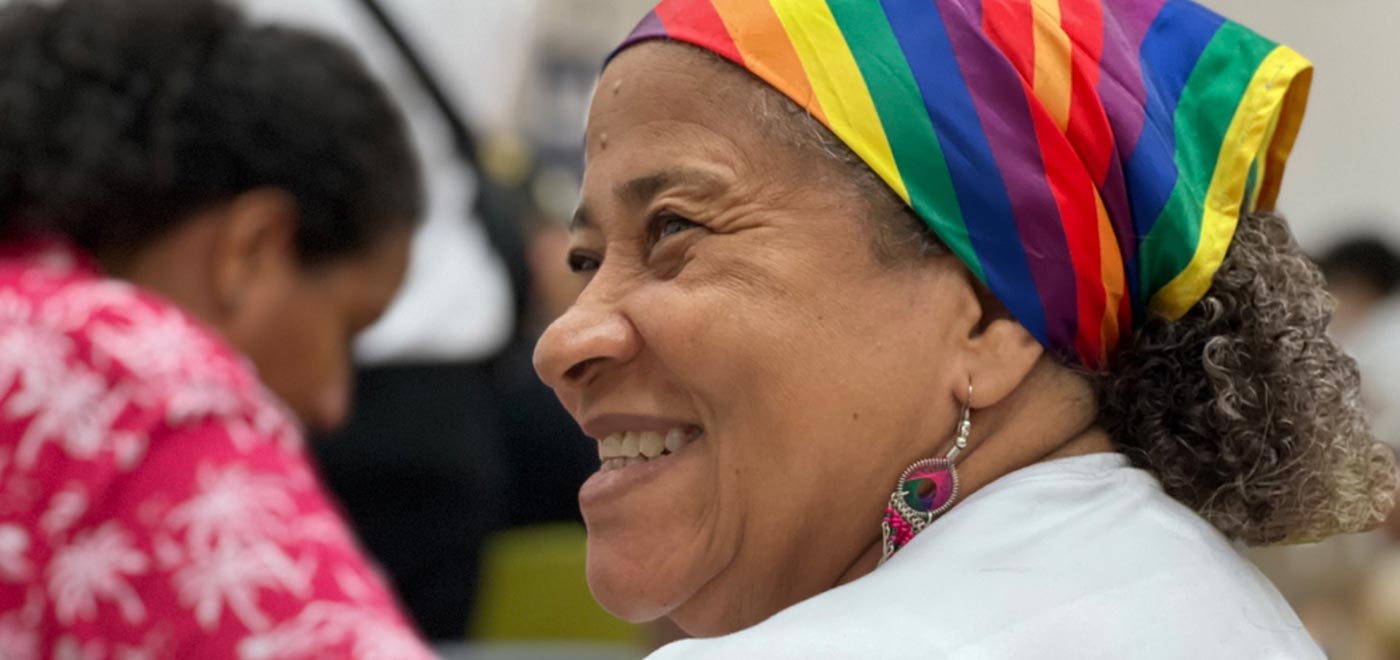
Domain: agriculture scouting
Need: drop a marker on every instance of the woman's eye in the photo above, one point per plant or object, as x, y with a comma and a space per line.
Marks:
669, 224
583, 262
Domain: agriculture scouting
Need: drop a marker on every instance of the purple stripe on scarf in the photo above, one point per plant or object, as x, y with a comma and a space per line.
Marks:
650, 28
1124, 97
1004, 110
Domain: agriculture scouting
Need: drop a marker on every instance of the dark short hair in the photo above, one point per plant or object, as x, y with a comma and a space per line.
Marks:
1366, 258
120, 118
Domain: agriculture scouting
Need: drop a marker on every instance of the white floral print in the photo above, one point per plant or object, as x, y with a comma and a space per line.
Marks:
28, 353
234, 506
18, 641
74, 408
14, 554
232, 575
95, 567
65, 508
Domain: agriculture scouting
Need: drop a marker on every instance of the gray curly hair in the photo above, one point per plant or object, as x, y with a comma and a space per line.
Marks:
1245, 409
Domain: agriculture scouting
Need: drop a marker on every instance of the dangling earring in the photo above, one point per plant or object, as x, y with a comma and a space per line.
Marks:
925, 490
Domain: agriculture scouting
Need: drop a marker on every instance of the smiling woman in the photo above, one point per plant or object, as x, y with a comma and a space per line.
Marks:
902, 335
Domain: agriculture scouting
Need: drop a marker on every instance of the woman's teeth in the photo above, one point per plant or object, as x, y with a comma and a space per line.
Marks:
623, 449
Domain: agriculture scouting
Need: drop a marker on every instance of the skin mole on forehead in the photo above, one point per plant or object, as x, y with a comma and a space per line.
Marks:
603, 141
617, 87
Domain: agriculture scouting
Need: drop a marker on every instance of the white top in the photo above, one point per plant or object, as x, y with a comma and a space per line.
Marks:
1079, 558
456, 301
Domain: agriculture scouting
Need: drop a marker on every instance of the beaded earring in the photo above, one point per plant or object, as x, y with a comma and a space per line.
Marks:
925, 490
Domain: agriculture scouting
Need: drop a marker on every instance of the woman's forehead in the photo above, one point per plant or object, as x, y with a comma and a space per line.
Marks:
670, 88
665, 108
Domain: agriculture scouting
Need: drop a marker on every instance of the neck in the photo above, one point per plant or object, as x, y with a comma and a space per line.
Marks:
1092, 441
174, 265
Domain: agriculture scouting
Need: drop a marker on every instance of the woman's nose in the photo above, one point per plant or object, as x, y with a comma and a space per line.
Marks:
586, 339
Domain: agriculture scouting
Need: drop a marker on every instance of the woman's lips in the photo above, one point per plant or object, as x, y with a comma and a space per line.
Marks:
600, 427
621, 474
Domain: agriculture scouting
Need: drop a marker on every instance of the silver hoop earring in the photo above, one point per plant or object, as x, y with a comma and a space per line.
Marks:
926, 490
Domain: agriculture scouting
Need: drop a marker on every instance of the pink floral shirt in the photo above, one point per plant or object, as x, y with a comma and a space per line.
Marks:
155, 499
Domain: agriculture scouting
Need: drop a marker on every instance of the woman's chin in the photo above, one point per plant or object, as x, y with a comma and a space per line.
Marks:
629, 592
643, 528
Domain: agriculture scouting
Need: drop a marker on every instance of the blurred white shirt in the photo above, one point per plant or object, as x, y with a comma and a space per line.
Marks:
1074, 559
456, 303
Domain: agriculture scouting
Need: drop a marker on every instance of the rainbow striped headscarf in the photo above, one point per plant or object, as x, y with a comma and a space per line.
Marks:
1087, 159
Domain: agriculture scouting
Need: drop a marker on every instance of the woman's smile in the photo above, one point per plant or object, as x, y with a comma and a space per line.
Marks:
633, 452
621, 450
634, 460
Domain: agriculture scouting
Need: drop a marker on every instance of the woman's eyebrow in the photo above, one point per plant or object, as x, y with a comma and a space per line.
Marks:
643, 188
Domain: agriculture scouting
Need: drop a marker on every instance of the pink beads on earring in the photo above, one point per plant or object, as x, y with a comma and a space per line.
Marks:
910, 510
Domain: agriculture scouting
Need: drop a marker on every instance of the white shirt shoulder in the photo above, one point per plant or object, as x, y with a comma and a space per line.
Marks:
1083, 558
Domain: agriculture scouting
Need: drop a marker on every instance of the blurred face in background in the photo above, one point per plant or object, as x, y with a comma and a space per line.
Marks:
1356, 298
299, 332
237, 267
751, 372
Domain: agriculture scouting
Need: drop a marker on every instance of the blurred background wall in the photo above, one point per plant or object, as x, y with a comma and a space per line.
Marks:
1345, 175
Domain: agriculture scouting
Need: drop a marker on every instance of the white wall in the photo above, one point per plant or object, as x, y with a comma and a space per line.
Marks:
481, 47
1345, 173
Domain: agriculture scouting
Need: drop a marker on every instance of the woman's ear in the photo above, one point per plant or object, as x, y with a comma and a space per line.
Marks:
999, 353
256, 251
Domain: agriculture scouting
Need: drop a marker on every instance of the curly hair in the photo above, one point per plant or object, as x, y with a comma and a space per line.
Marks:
120, 118
1245, 409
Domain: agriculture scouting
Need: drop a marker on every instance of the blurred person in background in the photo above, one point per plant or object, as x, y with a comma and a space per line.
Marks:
1341, 587
1347, 588
890, 352
453, 436
1362, 273
197, 216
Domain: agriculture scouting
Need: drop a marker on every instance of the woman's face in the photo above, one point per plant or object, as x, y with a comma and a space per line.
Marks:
733, 303
298, 328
